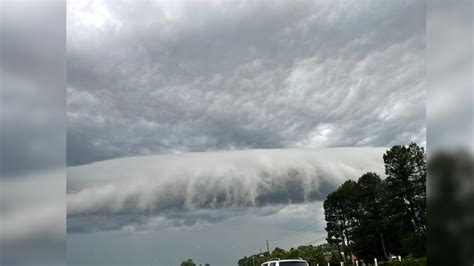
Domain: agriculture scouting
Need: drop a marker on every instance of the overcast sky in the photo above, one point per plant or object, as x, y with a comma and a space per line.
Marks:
32, 132
171, 77
150, 77
214, 207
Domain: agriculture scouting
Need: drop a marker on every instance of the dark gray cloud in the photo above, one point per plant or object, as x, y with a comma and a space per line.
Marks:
168, 77
155, 221
242, 233
161, 77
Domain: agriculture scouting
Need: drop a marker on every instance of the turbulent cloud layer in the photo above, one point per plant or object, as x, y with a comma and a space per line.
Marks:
159, 77
200, 79
111, 194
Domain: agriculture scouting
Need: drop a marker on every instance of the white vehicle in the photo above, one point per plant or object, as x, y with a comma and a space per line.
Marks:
292, 262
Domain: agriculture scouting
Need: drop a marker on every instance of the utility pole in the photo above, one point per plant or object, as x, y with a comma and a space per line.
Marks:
268, 248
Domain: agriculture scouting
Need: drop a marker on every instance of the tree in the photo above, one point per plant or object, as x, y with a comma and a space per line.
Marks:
335, 258
405, 167
376, 217
278, 253
188, 262
368, 228
339, 212
312, 254
332, 212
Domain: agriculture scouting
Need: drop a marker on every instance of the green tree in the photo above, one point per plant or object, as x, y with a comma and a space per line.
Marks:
368, 228
188, 262
340, 211
405, 167
278, 253
335, 258
312, 254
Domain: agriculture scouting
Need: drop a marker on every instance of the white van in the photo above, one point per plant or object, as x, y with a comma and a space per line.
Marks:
292, 262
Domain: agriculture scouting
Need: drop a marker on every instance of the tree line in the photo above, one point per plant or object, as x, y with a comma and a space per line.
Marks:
190, 262
376, 218
312, 254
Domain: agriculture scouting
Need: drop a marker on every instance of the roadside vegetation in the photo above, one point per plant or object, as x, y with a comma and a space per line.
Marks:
374, 218
370, 217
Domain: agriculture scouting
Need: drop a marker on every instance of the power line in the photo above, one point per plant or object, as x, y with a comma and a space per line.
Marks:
304, 244
301, 230
307, 243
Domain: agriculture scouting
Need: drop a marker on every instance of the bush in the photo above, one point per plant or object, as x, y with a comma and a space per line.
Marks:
407, 262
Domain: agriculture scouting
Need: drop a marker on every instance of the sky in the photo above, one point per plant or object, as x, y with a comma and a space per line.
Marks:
202, 129
161, 77
214, 207
32, 121
450, 71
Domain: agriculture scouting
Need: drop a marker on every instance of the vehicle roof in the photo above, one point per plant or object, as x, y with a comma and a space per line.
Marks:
287, 260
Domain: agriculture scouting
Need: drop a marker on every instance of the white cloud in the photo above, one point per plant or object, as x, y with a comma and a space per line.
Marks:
162, 185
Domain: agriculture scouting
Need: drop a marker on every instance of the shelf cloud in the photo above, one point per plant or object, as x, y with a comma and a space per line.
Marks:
172, 185
219, 122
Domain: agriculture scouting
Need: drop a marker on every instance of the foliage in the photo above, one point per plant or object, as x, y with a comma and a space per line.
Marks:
405, 167
373, 218
188, 262
407, 262
312, 254
335, 258
326, 247
368, 223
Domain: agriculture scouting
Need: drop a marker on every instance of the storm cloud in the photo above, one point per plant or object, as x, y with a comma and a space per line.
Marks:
198, 126
111, 194
159, 77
